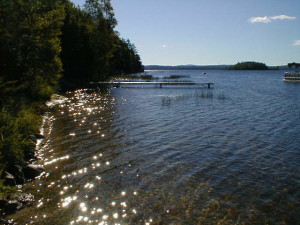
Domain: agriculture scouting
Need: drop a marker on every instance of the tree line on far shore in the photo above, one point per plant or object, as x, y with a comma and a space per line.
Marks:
249, 65
47, 45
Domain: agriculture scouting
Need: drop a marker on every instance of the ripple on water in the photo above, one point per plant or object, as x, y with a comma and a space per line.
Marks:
125, 157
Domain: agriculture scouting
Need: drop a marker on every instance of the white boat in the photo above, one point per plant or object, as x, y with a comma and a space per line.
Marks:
292, 76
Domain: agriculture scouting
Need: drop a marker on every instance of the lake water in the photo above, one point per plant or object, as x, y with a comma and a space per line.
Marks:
173, 155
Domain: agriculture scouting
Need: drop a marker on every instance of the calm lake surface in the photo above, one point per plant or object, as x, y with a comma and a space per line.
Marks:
174, 155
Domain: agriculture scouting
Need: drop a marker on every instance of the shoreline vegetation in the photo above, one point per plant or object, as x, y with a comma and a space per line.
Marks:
47, 47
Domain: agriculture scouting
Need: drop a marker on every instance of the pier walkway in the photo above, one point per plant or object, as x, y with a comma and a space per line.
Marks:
157, 83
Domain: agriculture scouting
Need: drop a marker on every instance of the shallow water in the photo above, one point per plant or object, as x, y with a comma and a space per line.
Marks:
174, 155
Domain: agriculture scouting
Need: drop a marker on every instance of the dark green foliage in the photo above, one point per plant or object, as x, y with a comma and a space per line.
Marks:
30, 67
44, 43
91, 49
248, 66
15, 144
30, 47
11, 141
126, 59
15, 132
77, 55
6, 191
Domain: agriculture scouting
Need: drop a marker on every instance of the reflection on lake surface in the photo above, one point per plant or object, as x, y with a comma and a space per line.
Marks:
229, 155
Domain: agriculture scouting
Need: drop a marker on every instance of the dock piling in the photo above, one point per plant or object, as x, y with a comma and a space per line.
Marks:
118, 84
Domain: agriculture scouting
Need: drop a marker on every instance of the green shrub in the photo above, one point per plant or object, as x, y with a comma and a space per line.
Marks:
6, 191
15, 135
28, 122
11, 140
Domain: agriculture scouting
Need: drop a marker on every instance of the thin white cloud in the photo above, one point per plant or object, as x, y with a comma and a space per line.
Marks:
264, 19
297, 43
164, 46
269, 19
283, 17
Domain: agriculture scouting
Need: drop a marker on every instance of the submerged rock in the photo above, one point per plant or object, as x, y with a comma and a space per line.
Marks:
29, 152
32, 171
9, 179
12, 206
35, 137
39, 136
16, 171
15, 203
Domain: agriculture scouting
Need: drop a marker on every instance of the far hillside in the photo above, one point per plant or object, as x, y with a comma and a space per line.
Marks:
186, 67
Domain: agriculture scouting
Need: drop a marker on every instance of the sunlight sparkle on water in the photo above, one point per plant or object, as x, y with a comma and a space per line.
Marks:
83, 207
89, 186
105, 217
117, 208
40, 204
124, 204
99, 210
56, 160
89, 110
68, 200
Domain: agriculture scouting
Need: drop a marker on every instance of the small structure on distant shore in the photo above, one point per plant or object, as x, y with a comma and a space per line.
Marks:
292, 76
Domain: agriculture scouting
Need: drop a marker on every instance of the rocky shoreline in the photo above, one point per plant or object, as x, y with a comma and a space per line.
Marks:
17, 175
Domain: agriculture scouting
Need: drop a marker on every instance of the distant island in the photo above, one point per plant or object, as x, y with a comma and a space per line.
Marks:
249, 66
239, 66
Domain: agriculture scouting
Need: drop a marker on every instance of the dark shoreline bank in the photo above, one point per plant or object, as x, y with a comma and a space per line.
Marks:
17, 176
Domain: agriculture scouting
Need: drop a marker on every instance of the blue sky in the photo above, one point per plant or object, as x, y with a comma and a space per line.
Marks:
207, 32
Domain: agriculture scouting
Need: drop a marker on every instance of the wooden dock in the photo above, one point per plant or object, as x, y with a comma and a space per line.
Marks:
160, 84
